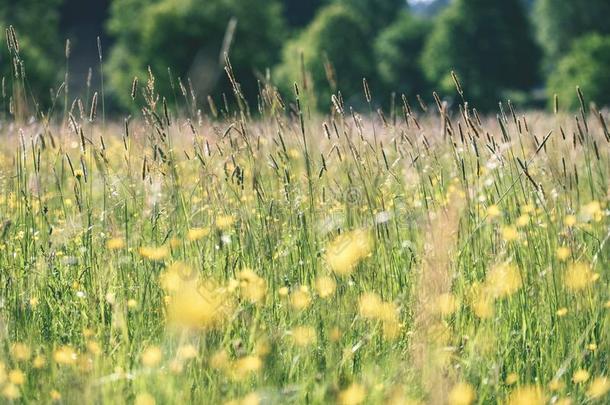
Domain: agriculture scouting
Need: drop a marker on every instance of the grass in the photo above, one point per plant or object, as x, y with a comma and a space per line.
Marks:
285, 257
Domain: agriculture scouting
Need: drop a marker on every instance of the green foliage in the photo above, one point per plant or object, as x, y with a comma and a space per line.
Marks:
560, 22
299, 13
397, 52
586, 65
188, 38
36, 24
488, 44
337, 38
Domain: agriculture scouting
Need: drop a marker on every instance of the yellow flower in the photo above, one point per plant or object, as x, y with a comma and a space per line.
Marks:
151, 357
599, 387
252, 287
527, 395
55, 395
187, 352
580, 376
16, 377
224, 221
21, 351
509, 233
38, 362
503, 280
369, 305
523, 220
556, 385
300, 299
592, 212
578, 276
446, 304
154, 253
115, 243
11, 392
304, 336
347, 250
65, 355
353, 395
592, 347
512, 378
144, 398
562, 311
563, 253
493, 211
246, 366
569, 220
325, 286
461, 394
194, 234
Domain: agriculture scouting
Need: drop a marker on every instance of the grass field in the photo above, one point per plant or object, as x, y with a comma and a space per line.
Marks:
432, 256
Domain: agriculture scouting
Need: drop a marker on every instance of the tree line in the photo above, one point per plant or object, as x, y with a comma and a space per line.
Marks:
498, 48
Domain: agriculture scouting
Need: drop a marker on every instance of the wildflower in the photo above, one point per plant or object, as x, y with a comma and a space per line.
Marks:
527, 395
369, 305
599, 387
352, 395
11, 392
562, 311
347, 250
563, 253
522, 220
131, 303
39, 362
580, 376
16, 377
325, 286
251, 399
493, 211
194, 234
592, 212
300, 299
503, 280
55, 395
34, 301
152, 356
246, 366
578, 276
461, 394
224, 221
219, 360
283, 291
65, 355
447, 304
556, 385
511, 379
115, 244
304, 335
20, 351
252, 287
569, 220
144, 398
154, 253
187, 352
509, 233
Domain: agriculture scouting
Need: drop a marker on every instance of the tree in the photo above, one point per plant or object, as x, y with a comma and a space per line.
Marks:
376, 14
397, 52
585, 65
299, 13
189, 38
488, 44
336, 55
40, 48
560, 22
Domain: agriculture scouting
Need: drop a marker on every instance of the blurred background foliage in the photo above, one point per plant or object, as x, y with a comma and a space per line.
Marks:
525, 49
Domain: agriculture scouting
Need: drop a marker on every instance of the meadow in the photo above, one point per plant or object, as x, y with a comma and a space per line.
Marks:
426, 254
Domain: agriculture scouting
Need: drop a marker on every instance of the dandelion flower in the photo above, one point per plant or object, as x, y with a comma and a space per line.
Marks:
246, 366
154, 253
65, 355
562, 311
347, 250
493, 211
353, 395
11, 392
151, 357
300, 299
527, 395
144, 398
304, 336
20, 351
580, 376
16, 377
55, 395
511, 378
569, 220
578, 276
224, 221
599, 387
510, 233
252, 287
503, 280
563, 253
115, 244
522, 220
325, 286
461, 394
195, 234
